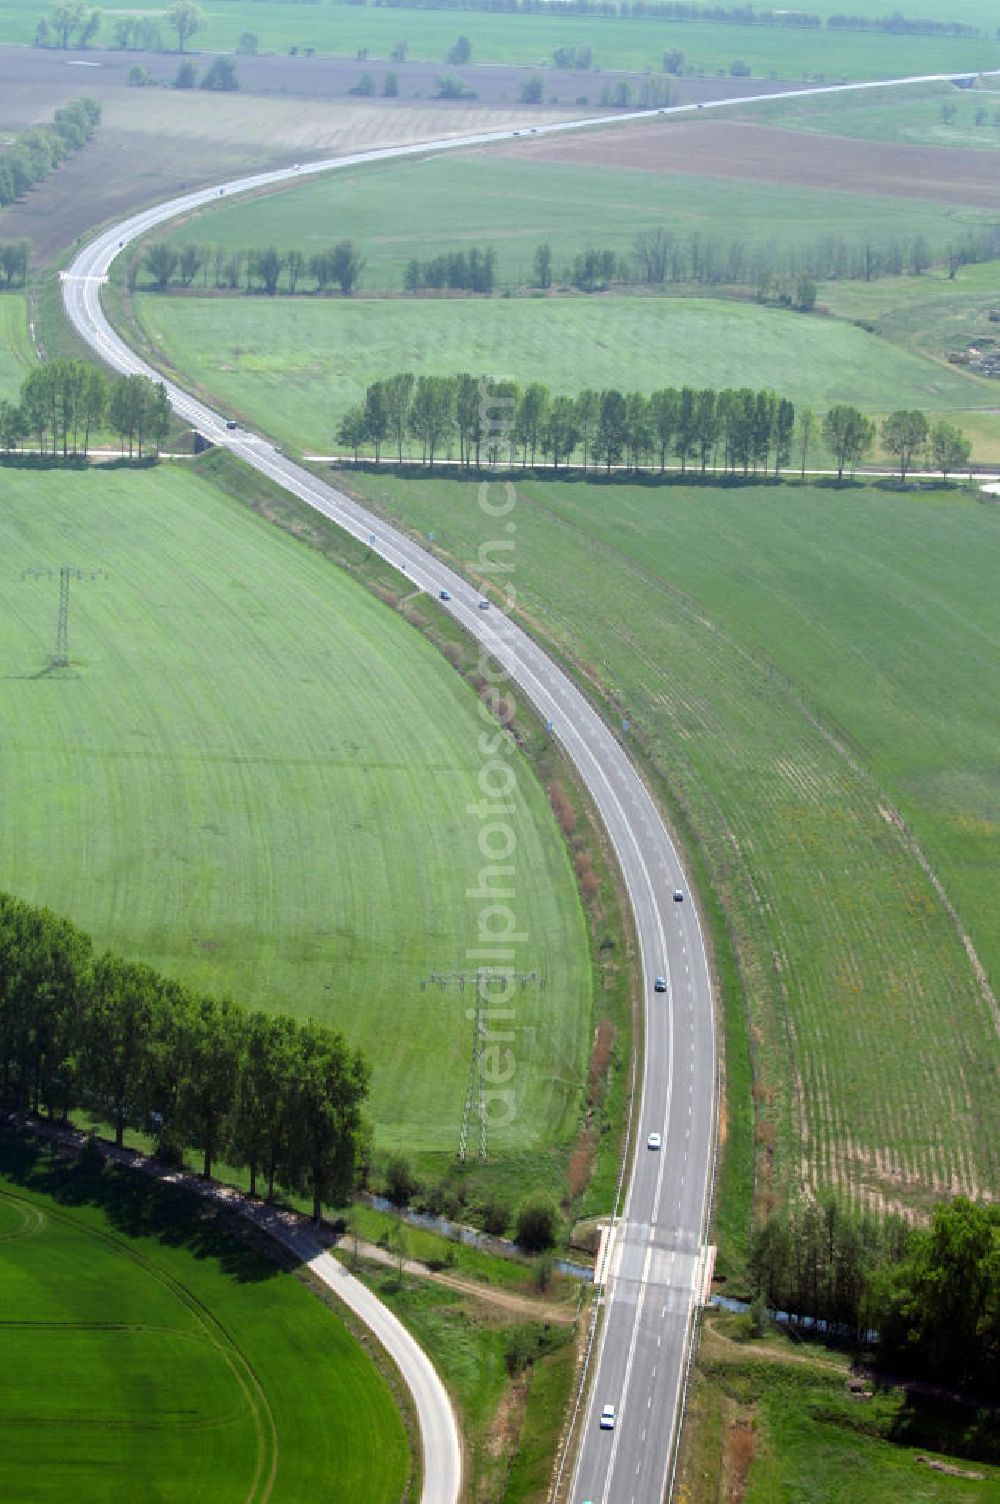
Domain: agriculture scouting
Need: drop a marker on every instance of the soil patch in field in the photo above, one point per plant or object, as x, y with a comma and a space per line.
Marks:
767, 154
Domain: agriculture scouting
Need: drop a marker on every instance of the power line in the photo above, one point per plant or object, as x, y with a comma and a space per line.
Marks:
485, 977
475, 1099
60, 658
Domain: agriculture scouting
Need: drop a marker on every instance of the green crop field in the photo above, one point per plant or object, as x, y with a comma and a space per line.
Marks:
806, 669
633, 43
905, 117
296, 365
444, 203
15, 345
256, 777
148, 1355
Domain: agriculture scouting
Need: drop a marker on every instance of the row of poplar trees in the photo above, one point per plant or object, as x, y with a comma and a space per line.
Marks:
80, 1030
741, 430
737, 431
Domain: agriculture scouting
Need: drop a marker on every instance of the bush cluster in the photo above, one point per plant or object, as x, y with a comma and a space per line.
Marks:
447, 86
14, 258
649, 94
466, 271
74, 23
536, 1219
580, 59
220, 75
932, 1295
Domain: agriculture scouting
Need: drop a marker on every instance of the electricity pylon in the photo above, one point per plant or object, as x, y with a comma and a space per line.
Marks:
475, 1090
60, 658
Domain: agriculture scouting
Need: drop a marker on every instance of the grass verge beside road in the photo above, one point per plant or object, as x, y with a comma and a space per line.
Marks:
512, 1405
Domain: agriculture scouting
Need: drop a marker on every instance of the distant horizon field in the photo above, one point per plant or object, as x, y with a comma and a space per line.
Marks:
897, 116
255, 777
800, 666
631, 43
148, 1355
295, 366
454, 201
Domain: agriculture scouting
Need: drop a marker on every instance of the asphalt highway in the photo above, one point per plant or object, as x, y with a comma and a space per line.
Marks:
655, 1256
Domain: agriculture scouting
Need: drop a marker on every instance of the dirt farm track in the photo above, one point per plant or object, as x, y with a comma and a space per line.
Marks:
767, 154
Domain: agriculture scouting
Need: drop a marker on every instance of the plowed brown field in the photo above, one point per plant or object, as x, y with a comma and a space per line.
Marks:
767, 154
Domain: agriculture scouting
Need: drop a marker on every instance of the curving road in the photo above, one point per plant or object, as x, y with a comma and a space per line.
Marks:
654, 1263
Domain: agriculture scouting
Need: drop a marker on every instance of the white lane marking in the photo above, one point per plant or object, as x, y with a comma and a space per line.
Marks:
628, 1374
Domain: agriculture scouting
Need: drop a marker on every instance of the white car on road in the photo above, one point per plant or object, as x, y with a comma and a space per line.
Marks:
608, 1418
